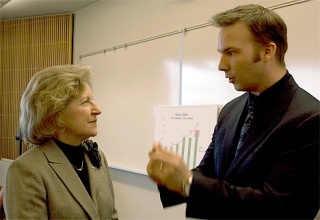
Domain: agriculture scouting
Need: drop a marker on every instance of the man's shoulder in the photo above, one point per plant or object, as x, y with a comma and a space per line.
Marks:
303, 100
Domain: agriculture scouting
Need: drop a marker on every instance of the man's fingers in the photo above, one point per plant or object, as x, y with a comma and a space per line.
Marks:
155, 147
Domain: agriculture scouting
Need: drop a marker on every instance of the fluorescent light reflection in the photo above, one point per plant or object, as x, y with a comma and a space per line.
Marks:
203, 86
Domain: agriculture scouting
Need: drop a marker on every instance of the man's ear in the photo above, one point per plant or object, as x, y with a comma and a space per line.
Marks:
269, 51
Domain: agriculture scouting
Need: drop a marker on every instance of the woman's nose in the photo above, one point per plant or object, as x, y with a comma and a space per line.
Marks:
96, 110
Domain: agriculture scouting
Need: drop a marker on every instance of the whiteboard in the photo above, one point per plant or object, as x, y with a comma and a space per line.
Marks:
127, 86
130, 83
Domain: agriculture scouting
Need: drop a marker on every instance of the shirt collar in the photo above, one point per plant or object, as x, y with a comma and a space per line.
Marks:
271, 92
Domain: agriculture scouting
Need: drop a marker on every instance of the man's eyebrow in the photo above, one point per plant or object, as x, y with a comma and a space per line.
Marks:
224, 50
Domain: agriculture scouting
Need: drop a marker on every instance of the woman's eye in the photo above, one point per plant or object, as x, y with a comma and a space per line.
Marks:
86, 101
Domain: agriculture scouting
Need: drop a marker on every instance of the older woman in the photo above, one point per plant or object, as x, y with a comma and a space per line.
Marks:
65, 176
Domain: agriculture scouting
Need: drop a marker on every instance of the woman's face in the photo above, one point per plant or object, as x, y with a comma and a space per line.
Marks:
80, 119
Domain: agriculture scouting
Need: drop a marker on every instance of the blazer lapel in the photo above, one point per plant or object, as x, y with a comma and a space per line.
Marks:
101, 187
63, 168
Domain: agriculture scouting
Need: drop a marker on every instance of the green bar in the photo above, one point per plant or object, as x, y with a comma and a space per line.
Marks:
183, 146
189, 151
195, 152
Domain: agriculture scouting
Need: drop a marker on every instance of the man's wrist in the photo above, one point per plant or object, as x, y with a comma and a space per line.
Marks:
186, 185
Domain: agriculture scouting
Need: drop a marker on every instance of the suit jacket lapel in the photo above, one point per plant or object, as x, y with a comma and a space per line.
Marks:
229, 142
253, 140
63, 168
267, 118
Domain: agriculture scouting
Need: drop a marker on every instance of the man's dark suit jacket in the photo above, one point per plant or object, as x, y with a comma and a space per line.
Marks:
276, 173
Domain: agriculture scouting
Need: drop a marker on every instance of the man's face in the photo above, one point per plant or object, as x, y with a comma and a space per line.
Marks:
241, 58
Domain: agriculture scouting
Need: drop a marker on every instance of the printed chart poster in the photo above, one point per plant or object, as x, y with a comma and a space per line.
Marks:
186, 130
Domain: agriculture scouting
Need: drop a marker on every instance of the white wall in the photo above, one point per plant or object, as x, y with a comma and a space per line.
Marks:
111, 23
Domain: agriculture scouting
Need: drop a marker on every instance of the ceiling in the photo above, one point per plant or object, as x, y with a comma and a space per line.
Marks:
12, 9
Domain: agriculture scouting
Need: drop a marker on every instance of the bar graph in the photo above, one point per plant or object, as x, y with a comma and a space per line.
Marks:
186, 130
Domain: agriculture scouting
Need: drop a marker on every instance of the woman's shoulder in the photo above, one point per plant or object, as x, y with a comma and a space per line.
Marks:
33, 155
31, 152
26, 161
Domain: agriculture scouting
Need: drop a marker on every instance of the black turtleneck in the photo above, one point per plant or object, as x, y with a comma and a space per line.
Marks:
75, 155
